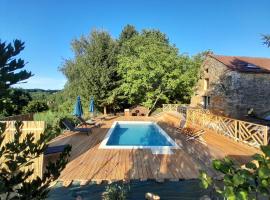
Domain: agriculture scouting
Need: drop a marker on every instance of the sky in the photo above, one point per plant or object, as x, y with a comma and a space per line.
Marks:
227, 27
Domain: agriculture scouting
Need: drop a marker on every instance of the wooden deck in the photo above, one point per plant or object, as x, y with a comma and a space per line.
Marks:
89, 163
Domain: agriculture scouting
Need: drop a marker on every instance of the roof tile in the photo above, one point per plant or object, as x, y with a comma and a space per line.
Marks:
244, 64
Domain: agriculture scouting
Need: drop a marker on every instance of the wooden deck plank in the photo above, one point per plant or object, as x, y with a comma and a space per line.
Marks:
89, 163
103, 173
74, 164
83, 160
148, 166
134, 167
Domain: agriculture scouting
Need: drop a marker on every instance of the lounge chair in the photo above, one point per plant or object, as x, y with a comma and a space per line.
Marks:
181, 126
90, 123
83, 122
70, 127
55, 149
197, 135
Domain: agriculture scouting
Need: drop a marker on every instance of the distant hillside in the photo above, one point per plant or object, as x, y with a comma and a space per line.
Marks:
41, 90
40, 94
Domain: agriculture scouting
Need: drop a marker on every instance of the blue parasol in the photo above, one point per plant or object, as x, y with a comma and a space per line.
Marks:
78, 111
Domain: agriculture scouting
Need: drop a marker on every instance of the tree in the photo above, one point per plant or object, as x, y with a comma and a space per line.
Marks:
15, 181
14, 102
10, 68
93, 70
127, 33
138, 68
152, 70
249, 182
9, 65
266, 39
35, 106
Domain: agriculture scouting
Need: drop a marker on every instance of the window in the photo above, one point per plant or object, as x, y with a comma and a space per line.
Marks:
252, 66
206, 102
206, 70
206, 84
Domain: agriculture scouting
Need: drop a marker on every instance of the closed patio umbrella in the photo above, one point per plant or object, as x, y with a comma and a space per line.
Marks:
78, 111
91, 106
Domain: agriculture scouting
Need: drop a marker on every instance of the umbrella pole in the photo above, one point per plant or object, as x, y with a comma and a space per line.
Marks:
105, 110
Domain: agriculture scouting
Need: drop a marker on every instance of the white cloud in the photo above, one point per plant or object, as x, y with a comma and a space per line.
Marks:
43, 83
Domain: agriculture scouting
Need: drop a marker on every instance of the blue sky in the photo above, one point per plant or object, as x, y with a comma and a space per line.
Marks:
229, 27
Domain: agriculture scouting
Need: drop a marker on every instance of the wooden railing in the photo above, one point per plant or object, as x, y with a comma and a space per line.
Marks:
34, 127
250, 133
24, 117
170, 107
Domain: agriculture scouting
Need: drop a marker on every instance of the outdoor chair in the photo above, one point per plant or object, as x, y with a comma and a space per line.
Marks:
181, 125
70, 127
85, 123
197, 135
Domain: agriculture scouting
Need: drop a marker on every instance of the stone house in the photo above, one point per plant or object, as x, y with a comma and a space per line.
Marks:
233, 86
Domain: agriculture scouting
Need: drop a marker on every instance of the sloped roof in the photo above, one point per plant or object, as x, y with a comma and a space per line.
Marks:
244, 64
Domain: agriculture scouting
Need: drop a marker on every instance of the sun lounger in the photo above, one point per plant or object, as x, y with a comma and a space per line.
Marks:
196, 136
181, 125
70, 127
55, 149
83, 122
90, 123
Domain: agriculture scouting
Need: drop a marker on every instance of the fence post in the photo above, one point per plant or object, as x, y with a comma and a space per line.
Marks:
235, 129
265, 136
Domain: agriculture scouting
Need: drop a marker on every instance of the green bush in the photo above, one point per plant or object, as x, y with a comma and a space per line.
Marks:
249, 182
14, 103
53, 121
18, 182
115, 191
35, 106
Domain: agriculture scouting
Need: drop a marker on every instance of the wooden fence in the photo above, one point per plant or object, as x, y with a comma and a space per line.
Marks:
250, 133
35, 127
24, 117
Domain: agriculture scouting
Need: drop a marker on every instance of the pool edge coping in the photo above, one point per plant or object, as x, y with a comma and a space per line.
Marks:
103, 144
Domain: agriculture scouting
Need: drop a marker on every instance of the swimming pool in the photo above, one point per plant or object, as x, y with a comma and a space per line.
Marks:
137, 135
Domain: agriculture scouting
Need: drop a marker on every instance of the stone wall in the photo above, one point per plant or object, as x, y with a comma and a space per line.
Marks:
232, 93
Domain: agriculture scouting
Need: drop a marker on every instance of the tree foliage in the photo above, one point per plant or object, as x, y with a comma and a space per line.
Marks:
9, 65
152, 70
15, 181
249, 182
138, 68
266, 40
127, 33
93, 70
115, 191
11, 72
35, 106
15, 101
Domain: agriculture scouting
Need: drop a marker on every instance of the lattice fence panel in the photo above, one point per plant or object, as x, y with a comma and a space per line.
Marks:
250, 133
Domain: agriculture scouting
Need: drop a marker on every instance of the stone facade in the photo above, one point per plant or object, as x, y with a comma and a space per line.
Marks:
230, 92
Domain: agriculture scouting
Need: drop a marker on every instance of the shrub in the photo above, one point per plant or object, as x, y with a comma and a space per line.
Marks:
15, 180
35, 106
53, 121
14, 103
115, 191
248, 182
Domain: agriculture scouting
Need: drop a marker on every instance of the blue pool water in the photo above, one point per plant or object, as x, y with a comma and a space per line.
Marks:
139, 134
